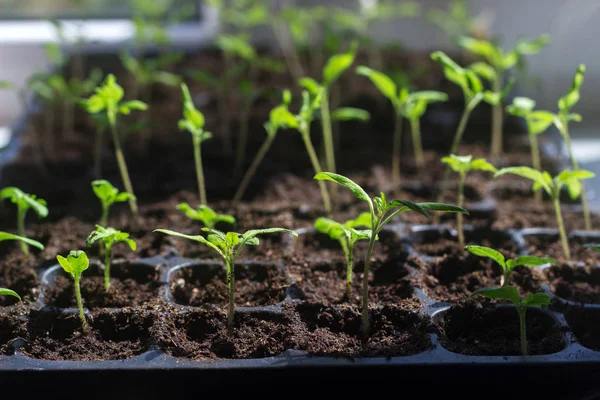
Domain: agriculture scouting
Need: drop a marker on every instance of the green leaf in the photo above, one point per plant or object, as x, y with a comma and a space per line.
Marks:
488, 252
364, 219
532, 46
481, 164
385, 85
408, 205
539, 121
75, 263
460, 164
254, 232
454, 73
572, 180
128, 106
280, 117
109, 236
505, 292
521, 106
166, 78
333, 229
526, 172
443, 207
232, 238
8, 292
236, 45
347, 183
537, 300
533, 261
480, 47
197, 238
337, 64
350, 114
31, 242
566, 102
310, 84
484, 70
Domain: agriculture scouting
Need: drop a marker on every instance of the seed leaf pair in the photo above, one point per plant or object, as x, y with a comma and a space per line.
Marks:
108, 195
109, 236
74, 264
206, 215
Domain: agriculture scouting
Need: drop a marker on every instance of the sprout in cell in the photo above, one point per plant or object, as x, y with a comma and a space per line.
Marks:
108, 195
74, 264
206, 215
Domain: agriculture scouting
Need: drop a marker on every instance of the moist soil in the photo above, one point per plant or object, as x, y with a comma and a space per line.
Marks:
550, 246
580, 284
584, 323
474, 330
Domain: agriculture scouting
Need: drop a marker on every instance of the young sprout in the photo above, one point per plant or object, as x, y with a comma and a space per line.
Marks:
508, 265
193, 122
499, 61
463, 165
537, 123
146, 73
347, 235
553, 186
512, 293
24, 202
332, 71
108, 195
414, 107
107, 99
75, 263
8, 292
206, 215
561, 120
109, 237
381, 213
229, 246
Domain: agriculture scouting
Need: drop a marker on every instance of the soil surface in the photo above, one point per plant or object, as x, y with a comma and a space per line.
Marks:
472, 330
584, 323
575, 283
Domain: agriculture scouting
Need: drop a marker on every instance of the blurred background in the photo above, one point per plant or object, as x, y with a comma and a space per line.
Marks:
105, 25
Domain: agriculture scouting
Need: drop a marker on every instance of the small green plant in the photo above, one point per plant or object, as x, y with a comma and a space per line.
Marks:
332, 71
561, 120
146, 73
109, 237
24, 202
75, 263
381, 212
508, 265
463, 165
193, 122
347, 235
108, 195
553, 186
8, 292
107, 99
229, 246
512, 293
206, 215
499, 61
537, 123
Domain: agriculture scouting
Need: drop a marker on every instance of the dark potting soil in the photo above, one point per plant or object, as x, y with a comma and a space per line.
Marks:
206, 284
201, 334
550, 246
112, 335
522, 215
396, 330
452, 278
474, 330
131, 285
584, 324
576, 283
13, 325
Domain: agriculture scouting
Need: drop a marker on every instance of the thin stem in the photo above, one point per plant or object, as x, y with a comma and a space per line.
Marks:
522, 310
575, 165
231, 286
365, 290
317, 167
104, 217
536, 162
199, 170
123, 168
561, 228
415, 125
459, 216
497, 140
80, 305
107, 257
396, 149
328, 139
98, 152
21, 211
253, 167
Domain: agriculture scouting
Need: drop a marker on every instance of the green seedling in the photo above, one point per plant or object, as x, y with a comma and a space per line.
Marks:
347, 235
508, 265
229, 246
9, 236
332, 71
562, 119
537, 123
553, 186
193, 122
278, 119
512, 293
24, 202
381, 212
463, 165
498, 62
146, 73
8, 292
75, 263
108, 195
109, 236
107, 99
206, 215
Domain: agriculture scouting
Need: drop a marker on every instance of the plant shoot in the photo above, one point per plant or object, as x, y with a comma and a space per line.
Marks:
206, 215
108, 195
75, 263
